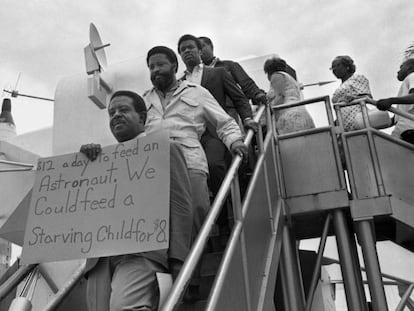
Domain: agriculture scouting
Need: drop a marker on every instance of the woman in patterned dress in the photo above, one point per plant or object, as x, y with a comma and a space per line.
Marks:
352, 86
285, 89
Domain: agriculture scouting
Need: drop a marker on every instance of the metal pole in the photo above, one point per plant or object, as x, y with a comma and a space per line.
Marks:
48, 278
385, 275
405, 298
27, 165
194, 256
293, 293
316, 271
236, 232
354, 289
66, 288
224, 267
15, 279
15, 94
369, 251
20, 169
238, 215
391, 109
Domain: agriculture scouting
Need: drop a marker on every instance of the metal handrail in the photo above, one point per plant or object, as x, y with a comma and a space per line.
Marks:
16, 163
315, 100
401, 113
367, 100
21, 166
189, 266
381, 134
318, 264
384, 275
15, 279
405, 298
66, 288
194, 256
302, 102
234, 237
21, 169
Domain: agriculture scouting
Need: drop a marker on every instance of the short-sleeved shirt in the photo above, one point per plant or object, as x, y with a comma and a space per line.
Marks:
355, 85
403, 124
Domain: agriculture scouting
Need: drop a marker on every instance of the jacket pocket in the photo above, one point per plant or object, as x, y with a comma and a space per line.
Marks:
187, 110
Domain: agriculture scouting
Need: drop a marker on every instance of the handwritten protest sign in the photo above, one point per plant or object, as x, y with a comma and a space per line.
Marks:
117, 204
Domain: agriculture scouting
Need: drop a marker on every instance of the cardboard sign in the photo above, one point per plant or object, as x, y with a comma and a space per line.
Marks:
117, 204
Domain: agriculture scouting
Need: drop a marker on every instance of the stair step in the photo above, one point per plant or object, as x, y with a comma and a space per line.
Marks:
217, 243
196, 306
210, 263
200, 287
218, 239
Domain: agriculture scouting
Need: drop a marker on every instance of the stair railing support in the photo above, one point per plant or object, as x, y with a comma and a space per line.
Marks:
365, 227
350, 269
15, 279
369, 251
405, 298
318, 264
194, 256
293, 293
238, 227
66, 288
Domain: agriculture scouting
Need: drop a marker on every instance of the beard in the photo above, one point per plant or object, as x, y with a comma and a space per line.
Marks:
162, 81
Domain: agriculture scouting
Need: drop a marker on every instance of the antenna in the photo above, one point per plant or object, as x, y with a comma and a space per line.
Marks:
95, 57
17, 81
14, 92
95, 61
320, 83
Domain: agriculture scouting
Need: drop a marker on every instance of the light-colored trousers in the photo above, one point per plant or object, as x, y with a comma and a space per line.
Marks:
123, 283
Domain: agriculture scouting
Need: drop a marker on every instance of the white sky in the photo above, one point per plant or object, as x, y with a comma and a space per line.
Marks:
44, 39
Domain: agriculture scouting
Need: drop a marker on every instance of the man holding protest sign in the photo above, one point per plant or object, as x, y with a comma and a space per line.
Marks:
128, 282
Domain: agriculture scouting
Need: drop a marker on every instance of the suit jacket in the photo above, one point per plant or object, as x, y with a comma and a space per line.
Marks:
221, 85
181, 213
248, 86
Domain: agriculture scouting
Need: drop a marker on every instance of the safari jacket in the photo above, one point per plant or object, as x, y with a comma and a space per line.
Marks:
191, 110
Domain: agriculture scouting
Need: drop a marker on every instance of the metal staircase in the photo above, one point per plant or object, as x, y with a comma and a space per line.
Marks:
300, 189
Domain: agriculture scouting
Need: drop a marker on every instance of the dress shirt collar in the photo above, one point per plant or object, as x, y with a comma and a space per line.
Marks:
213, 62
195, 75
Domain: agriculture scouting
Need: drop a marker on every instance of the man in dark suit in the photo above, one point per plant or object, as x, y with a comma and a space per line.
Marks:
128, 282
247, 85
221, 85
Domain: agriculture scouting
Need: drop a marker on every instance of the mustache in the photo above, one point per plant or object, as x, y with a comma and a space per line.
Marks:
161, 74
116, 120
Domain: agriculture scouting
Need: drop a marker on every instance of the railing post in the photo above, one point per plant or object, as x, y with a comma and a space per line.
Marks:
194, 256
369, 251
15, 279
57, 299
405, 298
292, 285
238, 216
364, 227
350, 269
318, 264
